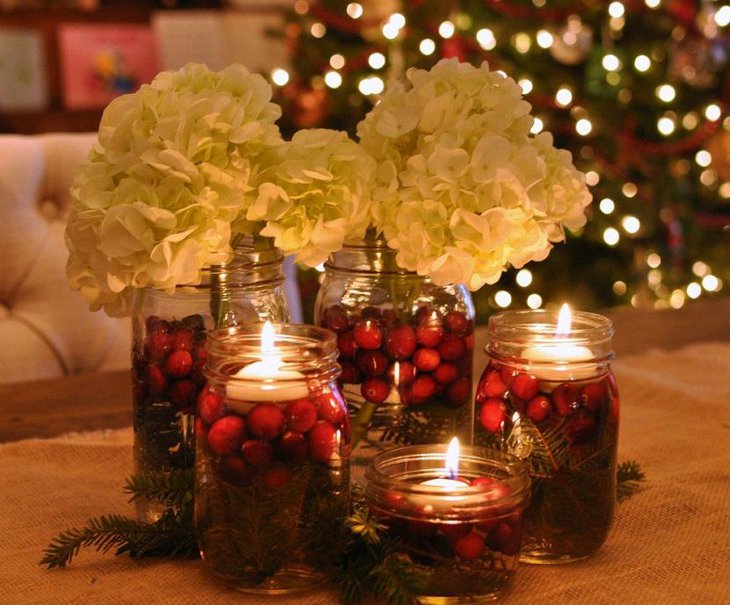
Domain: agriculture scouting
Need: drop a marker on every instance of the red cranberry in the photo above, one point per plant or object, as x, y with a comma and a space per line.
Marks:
372, 363
493, 415
336, 319
539, 408
429, 335
494, 490
266, 421
182, 339
300, 415
525, 386
368, 335
581, 427
226, 435
565, 398
183, 394
331, 407
346, 344
373, 313
375, 390
234, 470
197, 373
452, 347
455, 531
210, 406
470, 546
501, 536
446, 373
594, 396
179, 364
200, 353
426, 314
155, 324
157, 345
457, 322
426, 359
424, 387
458, 392
401, 373
507, 374
156, 381
292, 446
350, 373
469, 341
492, 385
322, 441
257, 453
400, 343
276, 477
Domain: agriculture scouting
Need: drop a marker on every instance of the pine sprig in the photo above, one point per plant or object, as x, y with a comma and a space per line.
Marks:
174, 489
629, 478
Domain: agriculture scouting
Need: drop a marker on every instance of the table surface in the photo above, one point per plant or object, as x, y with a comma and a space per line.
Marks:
670, 542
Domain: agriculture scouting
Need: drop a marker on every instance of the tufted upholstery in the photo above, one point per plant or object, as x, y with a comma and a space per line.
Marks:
46, 329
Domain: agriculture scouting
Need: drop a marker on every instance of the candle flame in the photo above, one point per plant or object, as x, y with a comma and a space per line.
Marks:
267, 340
452, 458
565, 319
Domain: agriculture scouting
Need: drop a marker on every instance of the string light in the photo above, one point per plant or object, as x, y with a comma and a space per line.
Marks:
333, 79
710, 283
676, 300
318, 30
642, 63
446, 29
666, 93
280, 76
703, 158
524, 278
607, 205
427, 46
534, 301
629, 190
611, 236
631, 224
354, 10
619, 288
537, 126
713, 112
583, 127
592, 178
694, 290
690, 120
611, 62
337, 61
526, 86
522, 43
665, 126
486, 39
699, 268
616, 10
503, 298
371, 86
301, 7
653, 260
653, 3
722, 16
376, 60
564, 97
544, 39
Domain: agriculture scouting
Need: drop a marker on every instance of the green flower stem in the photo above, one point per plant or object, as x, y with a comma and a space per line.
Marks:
359, 424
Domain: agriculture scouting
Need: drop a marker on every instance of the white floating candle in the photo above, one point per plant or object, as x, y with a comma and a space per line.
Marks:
266, 380
451, 468
560, 359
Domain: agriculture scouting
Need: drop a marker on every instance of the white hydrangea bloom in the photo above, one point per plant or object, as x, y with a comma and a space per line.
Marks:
318, 197
176, 166
462, 190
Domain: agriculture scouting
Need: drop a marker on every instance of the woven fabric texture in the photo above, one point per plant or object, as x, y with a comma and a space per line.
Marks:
670, 543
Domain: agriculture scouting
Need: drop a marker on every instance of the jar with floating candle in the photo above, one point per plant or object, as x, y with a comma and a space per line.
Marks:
548, 395
272, 457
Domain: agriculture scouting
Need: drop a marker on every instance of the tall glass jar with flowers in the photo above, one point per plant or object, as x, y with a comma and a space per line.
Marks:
462, 191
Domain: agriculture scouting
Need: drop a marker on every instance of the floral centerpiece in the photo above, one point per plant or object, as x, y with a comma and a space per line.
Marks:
184, 171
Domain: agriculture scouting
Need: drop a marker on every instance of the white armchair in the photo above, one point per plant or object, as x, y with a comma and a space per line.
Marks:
46, 330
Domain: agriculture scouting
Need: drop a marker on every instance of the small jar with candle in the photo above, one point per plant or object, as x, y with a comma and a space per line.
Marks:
272, 457
459, 526
548, 395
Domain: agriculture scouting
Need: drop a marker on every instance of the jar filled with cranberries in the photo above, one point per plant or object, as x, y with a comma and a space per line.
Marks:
405, 347
272, 457
548, 395
168, 352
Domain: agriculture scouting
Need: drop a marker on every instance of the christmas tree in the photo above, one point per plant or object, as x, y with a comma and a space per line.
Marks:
636, 90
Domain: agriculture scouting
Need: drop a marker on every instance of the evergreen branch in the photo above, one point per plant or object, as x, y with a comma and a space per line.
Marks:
629, 477
396, 580
172, 489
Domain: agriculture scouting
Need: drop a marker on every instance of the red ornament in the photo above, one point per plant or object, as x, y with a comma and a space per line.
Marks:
226, 435
266, 421
400, 342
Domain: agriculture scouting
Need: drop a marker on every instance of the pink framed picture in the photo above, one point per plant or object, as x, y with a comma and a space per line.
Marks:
101, 62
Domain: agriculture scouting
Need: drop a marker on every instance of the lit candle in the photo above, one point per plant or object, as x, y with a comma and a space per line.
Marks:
452, 470
563, 356
266, 380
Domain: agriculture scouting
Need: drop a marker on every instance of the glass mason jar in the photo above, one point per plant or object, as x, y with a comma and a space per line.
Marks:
406, 349
464, 540
272, 459
168, 352
552, 399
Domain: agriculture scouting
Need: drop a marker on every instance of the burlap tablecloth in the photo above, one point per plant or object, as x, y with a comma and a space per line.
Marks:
670, 543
